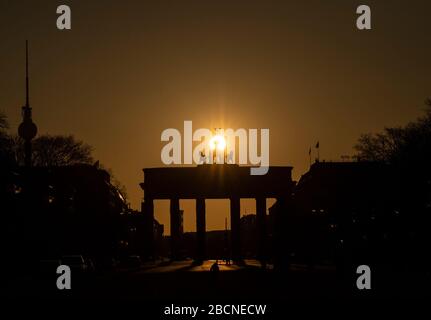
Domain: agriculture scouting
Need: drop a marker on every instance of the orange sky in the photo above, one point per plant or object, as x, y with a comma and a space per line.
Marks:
130, 69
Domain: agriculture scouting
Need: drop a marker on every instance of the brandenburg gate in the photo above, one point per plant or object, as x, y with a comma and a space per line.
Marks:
214, 181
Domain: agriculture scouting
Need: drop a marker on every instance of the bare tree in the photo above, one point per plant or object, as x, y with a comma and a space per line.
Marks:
5, 145
50, 150
3, 122
381, 146
408, 146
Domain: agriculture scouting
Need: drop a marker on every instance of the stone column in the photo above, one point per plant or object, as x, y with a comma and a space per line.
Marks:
147, 207
200, 229
261, 228
175, 228
235, 232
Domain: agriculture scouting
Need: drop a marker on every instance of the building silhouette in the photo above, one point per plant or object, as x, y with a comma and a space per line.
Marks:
344, 213
55, 211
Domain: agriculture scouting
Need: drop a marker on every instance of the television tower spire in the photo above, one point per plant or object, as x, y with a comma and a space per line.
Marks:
27, 97
27, 129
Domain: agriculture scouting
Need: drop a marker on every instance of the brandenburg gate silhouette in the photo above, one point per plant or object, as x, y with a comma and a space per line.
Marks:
214, 181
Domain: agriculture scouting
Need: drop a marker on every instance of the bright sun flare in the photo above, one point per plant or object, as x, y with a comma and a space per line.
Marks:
218, 142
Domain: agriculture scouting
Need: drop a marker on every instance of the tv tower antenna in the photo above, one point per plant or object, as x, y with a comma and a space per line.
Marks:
27, 130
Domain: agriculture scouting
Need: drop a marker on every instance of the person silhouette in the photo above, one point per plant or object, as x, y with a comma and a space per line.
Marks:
214, 275
215, 268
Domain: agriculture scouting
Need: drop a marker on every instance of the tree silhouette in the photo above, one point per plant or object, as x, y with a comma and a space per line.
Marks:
3, 122
381, 147
5, 143
408, 146
52, 150
47, 150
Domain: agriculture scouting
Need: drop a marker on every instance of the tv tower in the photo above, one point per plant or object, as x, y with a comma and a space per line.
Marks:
27, 130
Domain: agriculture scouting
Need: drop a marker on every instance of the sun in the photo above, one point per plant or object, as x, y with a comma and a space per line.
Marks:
218, 142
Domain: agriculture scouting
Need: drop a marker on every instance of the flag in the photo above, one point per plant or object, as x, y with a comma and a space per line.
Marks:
317, 145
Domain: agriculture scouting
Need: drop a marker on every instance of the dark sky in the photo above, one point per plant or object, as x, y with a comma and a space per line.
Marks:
130, 69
